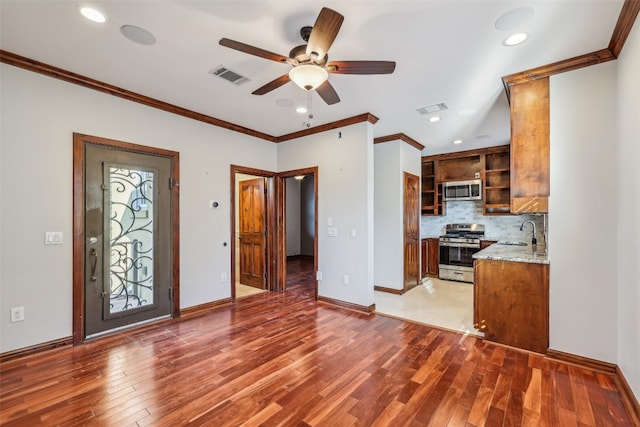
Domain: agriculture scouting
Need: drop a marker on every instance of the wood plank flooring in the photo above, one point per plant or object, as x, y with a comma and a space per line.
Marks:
284, 359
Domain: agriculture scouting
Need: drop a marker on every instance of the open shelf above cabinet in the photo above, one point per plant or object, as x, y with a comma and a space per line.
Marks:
491, 165
431, 196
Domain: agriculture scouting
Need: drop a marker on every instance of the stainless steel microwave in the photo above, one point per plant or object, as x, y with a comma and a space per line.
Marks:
462, 190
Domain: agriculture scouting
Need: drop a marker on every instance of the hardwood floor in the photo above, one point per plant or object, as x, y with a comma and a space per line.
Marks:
284, 359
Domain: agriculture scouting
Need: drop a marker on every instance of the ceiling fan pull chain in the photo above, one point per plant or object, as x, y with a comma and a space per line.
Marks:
309, 108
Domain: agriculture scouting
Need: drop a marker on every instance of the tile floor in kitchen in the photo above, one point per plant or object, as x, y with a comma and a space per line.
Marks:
442, 303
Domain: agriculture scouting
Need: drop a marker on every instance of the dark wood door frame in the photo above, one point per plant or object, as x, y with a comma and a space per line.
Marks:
276, 258
271, 225
281, 219
79, 142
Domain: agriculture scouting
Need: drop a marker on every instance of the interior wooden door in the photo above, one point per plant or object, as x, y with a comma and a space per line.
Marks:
253, 232
411, 231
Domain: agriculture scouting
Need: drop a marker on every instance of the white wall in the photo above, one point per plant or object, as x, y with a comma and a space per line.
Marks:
388, 247
344, 158
391, 160
583, 215
307, 216
628, 210
39, 116
293, 216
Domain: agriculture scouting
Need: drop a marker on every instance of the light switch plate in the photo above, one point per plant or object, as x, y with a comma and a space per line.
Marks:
17, 314
53, 238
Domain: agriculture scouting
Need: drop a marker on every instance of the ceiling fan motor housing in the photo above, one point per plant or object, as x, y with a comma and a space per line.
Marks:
305, 32
299, 55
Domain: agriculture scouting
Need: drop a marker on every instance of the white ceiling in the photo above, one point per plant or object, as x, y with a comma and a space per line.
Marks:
446, 51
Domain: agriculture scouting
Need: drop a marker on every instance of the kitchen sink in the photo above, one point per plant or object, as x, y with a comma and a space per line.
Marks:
512, 243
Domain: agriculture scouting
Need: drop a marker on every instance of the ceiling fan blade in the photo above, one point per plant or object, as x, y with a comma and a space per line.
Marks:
252, 50
328, 93
361, 67
324, 32
274, 84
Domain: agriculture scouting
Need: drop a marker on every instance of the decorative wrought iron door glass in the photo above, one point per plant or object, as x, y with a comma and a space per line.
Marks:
130, 252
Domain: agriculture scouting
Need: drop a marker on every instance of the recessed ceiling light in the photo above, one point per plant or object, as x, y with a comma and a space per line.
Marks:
457, 141
301, 110
92, 14
138, 35
515, 39
434, 119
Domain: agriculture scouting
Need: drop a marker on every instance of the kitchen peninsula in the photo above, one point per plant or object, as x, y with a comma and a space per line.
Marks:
511, 295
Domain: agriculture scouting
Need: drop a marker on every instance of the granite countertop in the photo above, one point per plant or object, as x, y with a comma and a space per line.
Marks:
515, 253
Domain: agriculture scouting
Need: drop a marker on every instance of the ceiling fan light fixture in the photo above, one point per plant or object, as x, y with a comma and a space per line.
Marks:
308, 76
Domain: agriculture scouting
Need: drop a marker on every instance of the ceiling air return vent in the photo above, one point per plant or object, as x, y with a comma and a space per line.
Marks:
432, 108
228, 75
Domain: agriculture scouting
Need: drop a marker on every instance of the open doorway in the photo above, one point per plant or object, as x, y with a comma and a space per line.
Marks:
300, 231
250, 259
252, 233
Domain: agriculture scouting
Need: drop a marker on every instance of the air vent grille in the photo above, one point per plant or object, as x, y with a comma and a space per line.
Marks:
432, 108
228, 75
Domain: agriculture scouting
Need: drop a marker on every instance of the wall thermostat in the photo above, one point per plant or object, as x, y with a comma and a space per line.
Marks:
214, 204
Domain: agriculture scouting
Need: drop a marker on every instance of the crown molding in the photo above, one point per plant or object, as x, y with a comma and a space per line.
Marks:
78, 79
399, 136
626, 19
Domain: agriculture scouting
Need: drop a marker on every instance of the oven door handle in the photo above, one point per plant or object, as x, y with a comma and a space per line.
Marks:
460, 245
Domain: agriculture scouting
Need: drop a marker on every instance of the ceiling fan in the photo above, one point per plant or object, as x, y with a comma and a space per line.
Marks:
310, 62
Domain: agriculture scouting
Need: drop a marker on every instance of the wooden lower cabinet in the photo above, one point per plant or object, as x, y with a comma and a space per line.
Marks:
424, 258
486, 243
434, 257
511, 303
430, 249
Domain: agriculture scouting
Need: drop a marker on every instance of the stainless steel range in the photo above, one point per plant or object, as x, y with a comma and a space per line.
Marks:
457, 247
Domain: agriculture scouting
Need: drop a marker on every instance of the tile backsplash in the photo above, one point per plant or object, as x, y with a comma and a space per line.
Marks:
499, 227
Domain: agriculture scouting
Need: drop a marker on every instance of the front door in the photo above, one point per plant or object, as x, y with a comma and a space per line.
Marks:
253, 231
128, 244
411, 231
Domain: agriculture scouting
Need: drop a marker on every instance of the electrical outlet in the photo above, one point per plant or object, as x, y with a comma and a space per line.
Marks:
345, 279
17, 314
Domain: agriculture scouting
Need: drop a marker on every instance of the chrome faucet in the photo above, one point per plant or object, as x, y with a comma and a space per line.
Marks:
533, 235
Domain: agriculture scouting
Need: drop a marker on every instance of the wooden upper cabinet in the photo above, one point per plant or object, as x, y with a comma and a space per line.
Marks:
491, 165
460, 168
530, 147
